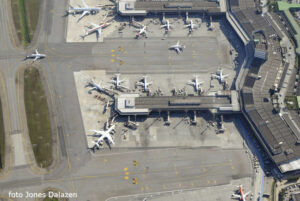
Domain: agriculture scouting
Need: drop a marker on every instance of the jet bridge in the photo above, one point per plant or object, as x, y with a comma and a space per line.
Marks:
134, 104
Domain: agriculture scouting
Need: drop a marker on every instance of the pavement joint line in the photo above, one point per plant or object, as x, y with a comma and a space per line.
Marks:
134, 152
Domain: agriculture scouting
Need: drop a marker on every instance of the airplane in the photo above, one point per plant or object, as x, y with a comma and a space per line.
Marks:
104, 134
242, 196
36, 56
98, 87
167, 26
95, 28
85, 10
142, 30
91, 83
191, 26
117, 82
195, 83
178, 47
145, 84
219, 75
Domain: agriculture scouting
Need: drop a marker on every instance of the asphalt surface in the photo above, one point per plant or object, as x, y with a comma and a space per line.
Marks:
109, 174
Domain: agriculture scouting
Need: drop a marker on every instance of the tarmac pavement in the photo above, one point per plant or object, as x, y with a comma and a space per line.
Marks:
111, 173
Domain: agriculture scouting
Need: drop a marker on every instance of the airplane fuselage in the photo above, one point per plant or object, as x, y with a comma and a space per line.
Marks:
96, 28
142, 31
191, 26
242, 194
80, 10
36, 56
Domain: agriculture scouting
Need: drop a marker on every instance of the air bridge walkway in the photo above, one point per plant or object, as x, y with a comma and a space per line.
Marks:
133, 104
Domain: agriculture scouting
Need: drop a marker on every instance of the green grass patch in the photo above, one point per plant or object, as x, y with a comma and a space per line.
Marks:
2, 138
38, 118
33, 8
291, 102
25, 15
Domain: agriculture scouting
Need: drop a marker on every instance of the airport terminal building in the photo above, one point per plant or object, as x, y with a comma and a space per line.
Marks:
264, 76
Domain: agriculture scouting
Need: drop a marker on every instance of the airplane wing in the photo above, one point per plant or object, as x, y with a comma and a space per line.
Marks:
99, 84
236, 196
178, 50
225, 75
110, 139
177, 43
36, 58
84, 4
98, 33
82, 15
215, 76
140, 83
190, 83
98, 132
246, 194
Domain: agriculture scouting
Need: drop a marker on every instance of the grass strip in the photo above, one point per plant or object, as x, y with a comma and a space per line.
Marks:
38, 118
25, 15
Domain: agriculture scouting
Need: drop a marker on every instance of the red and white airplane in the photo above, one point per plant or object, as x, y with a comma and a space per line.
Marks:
95, 28
142, 30
242, 196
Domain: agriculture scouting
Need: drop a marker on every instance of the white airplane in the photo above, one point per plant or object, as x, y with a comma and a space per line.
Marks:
191, 26
145, 84
117, 82
142, 30
195, 83
219, 75
167, 26
85, 10
95, 28
104, 134
178, 47
98, 87
242, 196
36, 56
